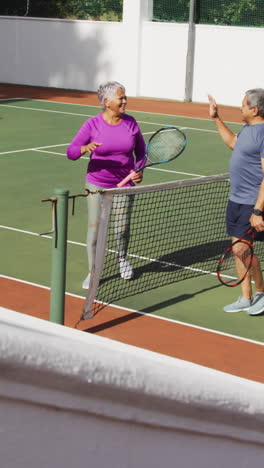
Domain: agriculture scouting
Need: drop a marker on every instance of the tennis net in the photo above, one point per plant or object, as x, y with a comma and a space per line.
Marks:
174, 231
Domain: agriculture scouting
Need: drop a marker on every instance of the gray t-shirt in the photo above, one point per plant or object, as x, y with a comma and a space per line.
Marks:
245, 164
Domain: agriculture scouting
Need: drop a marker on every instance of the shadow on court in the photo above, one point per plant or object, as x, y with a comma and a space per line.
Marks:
12, 101
146, 310
167, 269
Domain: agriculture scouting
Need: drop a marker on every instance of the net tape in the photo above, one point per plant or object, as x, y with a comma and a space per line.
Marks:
176, 231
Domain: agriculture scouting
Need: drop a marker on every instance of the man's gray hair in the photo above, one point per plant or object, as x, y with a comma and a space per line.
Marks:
255, 98
107, 90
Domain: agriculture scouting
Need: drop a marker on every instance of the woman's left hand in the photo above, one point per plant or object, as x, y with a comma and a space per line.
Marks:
137, 178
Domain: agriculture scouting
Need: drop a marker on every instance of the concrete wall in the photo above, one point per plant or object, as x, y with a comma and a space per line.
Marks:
70, 399
149, 58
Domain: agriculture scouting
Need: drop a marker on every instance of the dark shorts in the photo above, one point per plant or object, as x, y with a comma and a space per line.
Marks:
237, 221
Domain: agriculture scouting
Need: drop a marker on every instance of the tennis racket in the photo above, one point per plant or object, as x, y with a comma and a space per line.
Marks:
164, 145
236, 261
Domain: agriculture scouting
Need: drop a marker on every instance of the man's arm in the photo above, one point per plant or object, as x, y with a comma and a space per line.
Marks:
257, 222
227, 136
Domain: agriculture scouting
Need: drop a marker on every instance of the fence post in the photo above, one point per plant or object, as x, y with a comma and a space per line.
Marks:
59, 252
190, 53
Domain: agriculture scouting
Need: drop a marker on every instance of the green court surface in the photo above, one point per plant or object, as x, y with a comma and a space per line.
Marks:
34, 137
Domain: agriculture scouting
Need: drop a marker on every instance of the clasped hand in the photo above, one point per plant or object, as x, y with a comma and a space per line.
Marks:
137, 178
257, 223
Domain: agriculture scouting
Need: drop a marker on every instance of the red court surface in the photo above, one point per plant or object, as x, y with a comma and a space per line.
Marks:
221, 352
214, 350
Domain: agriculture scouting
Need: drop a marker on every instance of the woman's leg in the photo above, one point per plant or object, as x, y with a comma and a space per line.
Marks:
122, 206
122, 211
94, 207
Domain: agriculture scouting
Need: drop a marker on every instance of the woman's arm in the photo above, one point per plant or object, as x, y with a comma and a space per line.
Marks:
81, 143
140, 152
140, 148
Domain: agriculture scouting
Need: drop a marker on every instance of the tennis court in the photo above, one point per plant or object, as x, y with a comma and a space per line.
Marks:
34, 137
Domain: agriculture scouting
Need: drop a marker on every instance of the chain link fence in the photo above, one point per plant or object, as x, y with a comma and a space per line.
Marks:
218, 12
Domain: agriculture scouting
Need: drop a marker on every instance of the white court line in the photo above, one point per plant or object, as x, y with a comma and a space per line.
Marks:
198, 129
152, 260
45, 110
42, 149
49, 152
109, 250
130, 110
158, 317
174, 172
36, 234
148, 168
65, 144
33, 149
89, 115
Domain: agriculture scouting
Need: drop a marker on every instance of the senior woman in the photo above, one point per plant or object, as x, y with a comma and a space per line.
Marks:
116, 146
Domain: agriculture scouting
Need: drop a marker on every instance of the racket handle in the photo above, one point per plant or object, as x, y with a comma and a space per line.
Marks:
126, 179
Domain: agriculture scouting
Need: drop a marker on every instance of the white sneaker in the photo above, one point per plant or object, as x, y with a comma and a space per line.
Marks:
241, 304
126, 270
257, 306
86, 282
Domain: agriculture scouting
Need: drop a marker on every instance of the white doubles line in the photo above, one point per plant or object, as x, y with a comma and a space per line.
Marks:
152, 260
92, 115
98, 107
21, 231
43, 149
148, 168
33, 149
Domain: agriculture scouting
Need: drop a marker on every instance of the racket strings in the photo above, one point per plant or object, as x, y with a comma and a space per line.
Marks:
166, 144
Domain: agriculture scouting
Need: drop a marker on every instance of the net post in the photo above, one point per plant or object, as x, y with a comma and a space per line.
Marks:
59, 249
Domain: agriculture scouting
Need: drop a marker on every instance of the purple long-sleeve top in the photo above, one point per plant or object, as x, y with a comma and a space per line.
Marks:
114, 159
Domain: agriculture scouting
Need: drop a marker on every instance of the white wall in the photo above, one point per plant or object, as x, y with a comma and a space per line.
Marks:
73, 399
67, 54
228, 61
163, 60
149, 58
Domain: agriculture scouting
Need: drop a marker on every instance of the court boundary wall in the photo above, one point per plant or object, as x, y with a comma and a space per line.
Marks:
148, 57
68, 397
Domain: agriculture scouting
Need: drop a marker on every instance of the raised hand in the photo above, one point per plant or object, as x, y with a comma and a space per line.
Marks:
213, 110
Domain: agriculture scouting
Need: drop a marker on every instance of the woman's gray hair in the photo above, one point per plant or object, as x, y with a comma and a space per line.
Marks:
107, 90
255, 98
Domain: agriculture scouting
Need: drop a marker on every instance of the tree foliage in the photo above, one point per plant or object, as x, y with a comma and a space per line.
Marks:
109, 10
232, 12
228, 12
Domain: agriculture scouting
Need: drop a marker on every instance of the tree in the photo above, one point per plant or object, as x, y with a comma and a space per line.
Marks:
226, 12
109, 10
229, 12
